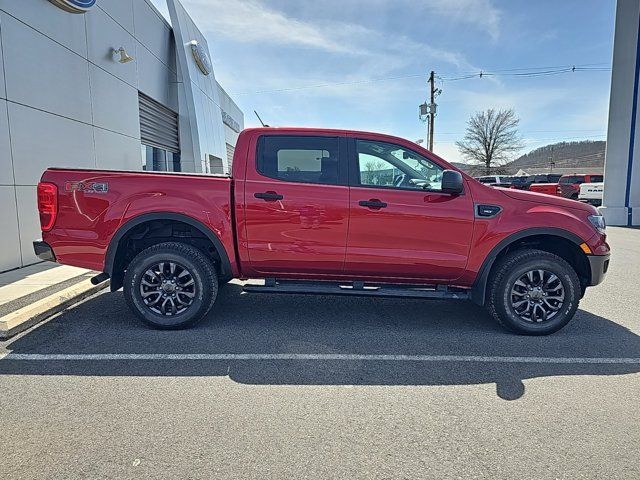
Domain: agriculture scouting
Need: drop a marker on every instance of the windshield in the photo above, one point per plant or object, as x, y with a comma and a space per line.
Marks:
572, 179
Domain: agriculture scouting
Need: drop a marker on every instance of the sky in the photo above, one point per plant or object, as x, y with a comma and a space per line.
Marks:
364, 64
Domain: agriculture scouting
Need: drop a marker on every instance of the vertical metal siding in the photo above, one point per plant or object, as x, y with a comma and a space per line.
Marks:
158, 125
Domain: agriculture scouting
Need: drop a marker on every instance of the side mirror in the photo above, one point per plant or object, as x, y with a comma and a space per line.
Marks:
452, 182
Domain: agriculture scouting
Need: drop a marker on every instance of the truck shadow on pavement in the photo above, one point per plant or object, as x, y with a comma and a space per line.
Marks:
243, 323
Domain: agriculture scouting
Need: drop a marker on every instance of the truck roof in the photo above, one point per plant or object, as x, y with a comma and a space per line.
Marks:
335, 131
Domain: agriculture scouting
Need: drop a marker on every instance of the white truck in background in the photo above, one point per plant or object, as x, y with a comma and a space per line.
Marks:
591, 193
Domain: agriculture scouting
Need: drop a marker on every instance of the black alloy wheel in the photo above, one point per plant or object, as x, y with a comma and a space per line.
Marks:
170, 285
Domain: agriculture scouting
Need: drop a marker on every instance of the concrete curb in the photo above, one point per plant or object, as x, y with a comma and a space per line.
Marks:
25, 317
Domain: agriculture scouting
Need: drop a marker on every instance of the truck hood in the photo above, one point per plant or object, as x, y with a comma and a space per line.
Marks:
543, 199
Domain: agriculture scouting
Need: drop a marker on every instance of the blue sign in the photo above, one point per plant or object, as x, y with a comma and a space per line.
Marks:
74, 6
200, 56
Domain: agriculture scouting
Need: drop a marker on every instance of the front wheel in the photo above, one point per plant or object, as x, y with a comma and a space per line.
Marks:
170, 285
533, 292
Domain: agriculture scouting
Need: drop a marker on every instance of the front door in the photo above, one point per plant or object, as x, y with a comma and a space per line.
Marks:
402, 226
297, 205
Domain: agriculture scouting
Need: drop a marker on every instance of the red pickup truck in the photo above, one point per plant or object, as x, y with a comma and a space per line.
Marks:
324, 212
569, 185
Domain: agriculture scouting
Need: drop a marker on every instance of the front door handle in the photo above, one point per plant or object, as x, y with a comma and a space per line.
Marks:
374, 203
268, 196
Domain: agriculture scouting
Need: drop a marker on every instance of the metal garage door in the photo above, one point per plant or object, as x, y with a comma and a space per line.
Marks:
230, 150
158, 125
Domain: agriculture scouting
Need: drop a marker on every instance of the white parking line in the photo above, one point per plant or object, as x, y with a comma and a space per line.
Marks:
91, 357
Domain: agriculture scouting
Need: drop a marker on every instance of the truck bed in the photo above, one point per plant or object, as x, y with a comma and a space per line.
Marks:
93, 204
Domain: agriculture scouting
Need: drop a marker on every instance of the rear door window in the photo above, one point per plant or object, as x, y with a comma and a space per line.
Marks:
300, 159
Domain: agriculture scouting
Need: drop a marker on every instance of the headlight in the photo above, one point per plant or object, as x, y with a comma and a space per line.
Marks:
598, 223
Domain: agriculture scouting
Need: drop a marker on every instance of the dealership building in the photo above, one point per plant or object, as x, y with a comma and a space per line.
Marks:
621, 201
108, 84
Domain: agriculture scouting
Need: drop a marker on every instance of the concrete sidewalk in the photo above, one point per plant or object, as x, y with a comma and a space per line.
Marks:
29, 295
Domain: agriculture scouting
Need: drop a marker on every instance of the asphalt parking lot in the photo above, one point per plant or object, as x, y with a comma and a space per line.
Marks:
312, 387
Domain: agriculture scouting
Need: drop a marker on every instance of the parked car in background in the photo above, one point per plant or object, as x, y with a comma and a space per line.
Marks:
542, 178
518, 183
569, 185
591, 193
495, 180
546, 188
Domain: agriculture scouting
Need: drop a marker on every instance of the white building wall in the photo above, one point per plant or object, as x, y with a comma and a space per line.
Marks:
66, 101
201, 127
233, 120
621, 202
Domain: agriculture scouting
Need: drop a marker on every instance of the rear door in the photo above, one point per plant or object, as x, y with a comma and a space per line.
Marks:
297, 205
402, 226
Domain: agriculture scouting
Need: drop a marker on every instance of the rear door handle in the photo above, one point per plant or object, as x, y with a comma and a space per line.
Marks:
374, 203
268, 196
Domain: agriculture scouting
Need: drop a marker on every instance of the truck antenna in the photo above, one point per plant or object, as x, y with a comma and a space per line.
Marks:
263, 124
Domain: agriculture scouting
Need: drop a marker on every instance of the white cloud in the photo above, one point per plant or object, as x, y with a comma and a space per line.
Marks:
249, 21
479, 13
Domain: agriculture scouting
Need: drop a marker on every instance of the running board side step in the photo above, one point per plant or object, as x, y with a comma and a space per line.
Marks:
360, 289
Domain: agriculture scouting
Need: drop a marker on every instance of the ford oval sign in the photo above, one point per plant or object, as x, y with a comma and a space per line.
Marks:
201, 57
74, 6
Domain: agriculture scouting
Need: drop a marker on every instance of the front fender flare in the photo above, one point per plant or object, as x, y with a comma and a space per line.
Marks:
479, 288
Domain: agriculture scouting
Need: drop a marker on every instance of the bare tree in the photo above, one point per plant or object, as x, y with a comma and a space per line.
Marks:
372, 167
491, 138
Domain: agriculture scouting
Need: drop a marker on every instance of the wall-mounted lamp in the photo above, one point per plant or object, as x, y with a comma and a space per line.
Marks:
124, 57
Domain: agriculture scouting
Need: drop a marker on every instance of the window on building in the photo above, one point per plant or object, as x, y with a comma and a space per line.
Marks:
158, 160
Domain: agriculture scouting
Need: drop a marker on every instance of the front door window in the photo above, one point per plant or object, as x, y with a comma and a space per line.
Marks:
383, 164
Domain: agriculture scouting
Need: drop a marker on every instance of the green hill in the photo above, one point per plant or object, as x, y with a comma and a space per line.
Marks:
564, 155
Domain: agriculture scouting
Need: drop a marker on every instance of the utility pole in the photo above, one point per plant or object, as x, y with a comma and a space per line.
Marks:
432, 109
428, 110
551, 162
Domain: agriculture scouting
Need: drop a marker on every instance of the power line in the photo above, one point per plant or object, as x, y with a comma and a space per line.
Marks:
522, 72
541, 131
592, 137
528, 74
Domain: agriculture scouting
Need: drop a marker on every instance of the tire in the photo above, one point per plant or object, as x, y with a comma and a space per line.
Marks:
161, 294
509, 287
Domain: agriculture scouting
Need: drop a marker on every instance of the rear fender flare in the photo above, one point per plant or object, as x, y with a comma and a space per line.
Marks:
225, 264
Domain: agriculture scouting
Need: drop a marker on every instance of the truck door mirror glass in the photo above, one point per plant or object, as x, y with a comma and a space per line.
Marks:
452, 182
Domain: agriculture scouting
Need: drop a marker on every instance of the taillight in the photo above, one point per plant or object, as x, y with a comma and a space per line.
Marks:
47, 205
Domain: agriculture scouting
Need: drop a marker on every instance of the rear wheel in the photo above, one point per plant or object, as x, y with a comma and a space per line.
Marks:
532, 292
170, 285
